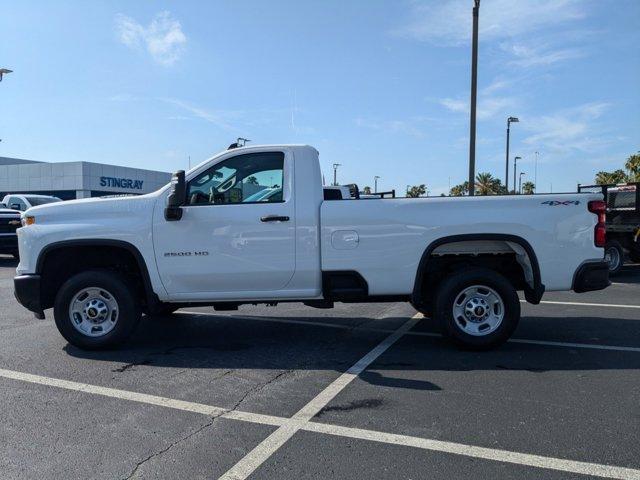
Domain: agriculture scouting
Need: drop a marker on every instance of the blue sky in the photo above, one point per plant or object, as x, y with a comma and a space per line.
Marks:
381, 87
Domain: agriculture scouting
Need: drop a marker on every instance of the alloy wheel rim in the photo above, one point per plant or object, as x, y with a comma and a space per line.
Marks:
93, 311
613, 257
478, 310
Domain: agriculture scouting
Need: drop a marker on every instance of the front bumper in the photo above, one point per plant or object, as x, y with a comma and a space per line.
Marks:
8, 243
591, 276
27, 292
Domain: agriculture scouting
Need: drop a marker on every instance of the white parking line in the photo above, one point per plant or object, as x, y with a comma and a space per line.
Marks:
505, 456
256, 457
586, 468
582, 304
183, 405
548, 343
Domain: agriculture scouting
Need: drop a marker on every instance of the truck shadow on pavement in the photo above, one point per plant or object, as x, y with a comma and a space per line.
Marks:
627, 274
241, 343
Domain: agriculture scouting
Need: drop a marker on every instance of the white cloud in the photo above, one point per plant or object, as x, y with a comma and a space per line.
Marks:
221, 118
162, 38
539, 56
449, 21
488, 106
407, 127
572, 129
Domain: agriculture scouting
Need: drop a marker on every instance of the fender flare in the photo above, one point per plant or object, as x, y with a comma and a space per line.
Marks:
150, 296
533, 295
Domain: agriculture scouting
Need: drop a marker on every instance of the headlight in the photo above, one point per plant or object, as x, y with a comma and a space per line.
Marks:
28, 220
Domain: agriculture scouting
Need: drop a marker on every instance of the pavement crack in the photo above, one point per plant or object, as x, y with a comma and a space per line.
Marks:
173, 444
259, 387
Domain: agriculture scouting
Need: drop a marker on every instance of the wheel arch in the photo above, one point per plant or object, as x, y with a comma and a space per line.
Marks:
533, 294
150, 297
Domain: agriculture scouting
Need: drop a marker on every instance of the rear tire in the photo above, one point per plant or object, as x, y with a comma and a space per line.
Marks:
477, 308
96, 309
614, 254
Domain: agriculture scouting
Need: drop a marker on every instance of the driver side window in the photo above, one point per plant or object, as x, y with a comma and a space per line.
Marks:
249, 178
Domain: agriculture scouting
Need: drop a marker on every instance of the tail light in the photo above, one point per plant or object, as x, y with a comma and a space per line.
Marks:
599, 207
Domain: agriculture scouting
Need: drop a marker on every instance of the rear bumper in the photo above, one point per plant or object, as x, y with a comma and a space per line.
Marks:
27, 292
591, 276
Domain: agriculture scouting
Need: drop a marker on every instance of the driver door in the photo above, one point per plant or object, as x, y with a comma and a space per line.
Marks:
237, 232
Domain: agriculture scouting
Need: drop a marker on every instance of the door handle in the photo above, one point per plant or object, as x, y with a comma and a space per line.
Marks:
274, 218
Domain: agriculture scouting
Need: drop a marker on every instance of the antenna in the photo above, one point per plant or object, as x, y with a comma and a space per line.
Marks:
240, 142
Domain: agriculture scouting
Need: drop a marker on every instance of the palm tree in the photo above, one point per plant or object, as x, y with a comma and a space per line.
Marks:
617, 176
416, 191
633, 166
528, 188
459, 190
485, 184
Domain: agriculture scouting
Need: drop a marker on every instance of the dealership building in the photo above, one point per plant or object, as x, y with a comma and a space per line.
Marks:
69, 180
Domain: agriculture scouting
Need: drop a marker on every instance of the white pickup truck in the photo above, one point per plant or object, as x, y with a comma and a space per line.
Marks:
203, 240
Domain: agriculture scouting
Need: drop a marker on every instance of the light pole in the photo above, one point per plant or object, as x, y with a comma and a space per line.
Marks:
335, 173
375, 184
520, 182
515, 165
510, 120
474, 89
3, 71
535, 172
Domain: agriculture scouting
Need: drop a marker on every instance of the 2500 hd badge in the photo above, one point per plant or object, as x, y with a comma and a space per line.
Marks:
186, 254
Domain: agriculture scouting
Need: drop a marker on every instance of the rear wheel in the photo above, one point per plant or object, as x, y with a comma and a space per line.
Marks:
614, 254
477, 308
96, 309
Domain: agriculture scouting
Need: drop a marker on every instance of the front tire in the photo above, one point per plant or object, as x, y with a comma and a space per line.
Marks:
477, 308
96, 309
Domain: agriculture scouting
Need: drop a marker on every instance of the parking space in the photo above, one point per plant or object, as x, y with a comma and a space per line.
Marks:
361, 391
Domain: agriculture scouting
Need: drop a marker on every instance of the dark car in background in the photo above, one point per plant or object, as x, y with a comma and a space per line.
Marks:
9, 222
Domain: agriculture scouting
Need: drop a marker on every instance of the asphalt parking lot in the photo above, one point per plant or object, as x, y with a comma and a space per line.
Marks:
361, 391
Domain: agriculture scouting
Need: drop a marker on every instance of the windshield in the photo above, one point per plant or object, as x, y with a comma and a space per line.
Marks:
35, 201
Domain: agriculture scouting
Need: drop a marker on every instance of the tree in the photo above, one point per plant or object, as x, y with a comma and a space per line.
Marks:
416, 191
528, 188
366, 190
459, 190
617, 176
487, 184
252, 180
633, 167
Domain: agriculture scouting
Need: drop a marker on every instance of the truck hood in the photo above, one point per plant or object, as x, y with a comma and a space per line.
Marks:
94, 208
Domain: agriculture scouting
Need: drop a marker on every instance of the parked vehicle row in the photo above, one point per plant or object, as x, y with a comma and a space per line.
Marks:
205, 240
9, 223
22, 202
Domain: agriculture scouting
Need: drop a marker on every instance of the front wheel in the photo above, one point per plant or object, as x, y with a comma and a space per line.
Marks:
96, 309
477, 308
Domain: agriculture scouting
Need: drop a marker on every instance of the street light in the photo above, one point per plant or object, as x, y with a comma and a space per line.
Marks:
375, 184
474, 90
515, 164
3, 71
510, 120
535, 173
520, 182
335, 173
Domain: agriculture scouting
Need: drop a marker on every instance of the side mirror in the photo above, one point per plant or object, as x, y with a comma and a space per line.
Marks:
15, 206
176, 198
